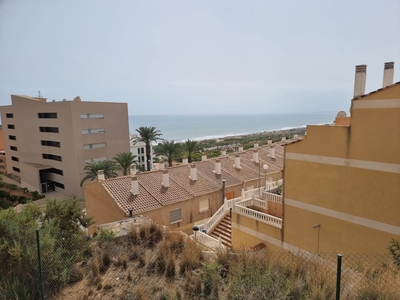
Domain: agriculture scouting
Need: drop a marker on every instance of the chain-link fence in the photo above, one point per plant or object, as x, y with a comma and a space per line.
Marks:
151, 263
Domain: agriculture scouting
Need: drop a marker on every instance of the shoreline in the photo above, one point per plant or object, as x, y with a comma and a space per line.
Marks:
257, 136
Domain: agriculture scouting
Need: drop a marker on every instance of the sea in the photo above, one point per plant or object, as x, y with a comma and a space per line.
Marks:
202, 127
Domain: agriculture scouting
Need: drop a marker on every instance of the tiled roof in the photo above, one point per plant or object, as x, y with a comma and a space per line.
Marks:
120, 190
201, 186
152, 182
207, 168
378, 90
245, 173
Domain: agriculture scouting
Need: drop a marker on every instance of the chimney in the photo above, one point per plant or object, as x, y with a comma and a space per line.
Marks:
272, 151
223, 151
165, 178
134, 186
100, 175
218, 167
237, 161
240, 149
185, 160
255, 156
203, 156
360, 80
284, 139
388, 74
256, 144
161, 164
193, 172
269, 142
133, 169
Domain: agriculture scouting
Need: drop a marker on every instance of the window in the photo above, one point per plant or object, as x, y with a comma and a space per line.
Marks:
49, 129
204, 205
138, 159
50, 143
16, 169
13, 148
52, 115
55, 171
14, 158
52, 157
142, 150
93, 146
12, 137
95, 159
92, 116
59, 185
9, 115
10, 126
175, 216
93, 130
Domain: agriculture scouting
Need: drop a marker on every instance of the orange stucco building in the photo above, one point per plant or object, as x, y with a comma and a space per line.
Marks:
341, 182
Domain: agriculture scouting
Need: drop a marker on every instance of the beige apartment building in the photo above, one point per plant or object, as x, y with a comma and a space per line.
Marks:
341, 182
48, 143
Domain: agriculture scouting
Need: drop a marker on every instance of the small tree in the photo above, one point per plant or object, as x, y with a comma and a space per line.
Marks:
190, 146
169, 149
394, 249
93, 168
124, 160
148, 135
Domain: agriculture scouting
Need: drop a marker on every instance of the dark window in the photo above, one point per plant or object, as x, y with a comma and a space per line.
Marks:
14, 158
60, 185
51, 143
10, 126
12, 137
16, 169
49, 129
47, 115
55, 171
14, 148
9, 115
52, 157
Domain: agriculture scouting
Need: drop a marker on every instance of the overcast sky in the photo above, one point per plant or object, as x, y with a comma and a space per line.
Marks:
177, 57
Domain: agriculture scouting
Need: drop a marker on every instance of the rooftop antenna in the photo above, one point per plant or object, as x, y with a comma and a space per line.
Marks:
39, 94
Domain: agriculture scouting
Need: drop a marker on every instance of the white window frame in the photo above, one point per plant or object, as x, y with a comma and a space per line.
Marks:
175, 216
92, 116
94, 146
90, 160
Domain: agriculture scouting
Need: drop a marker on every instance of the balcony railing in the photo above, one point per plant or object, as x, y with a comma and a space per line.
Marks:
259, 216
273, 197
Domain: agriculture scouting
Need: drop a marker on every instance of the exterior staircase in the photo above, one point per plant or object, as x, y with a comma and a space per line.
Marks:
224, 232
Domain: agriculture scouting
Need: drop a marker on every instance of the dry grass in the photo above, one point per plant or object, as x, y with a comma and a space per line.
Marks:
176, 268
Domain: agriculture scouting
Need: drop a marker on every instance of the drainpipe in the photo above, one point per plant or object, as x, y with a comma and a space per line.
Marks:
223, 191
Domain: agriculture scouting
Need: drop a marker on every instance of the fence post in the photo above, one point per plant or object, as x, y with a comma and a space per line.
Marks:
40, 265
338, 275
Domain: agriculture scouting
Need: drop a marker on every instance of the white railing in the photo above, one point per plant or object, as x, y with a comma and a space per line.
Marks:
207, 240
273, 197
259, 216
231, 202
260, 203
214, 220
251, 193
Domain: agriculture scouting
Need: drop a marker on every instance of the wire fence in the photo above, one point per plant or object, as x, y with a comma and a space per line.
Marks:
151, 263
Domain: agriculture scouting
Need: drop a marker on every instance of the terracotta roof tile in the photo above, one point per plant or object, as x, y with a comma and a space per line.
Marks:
152, 182
245, 173
120, 190
197, 187
207, 168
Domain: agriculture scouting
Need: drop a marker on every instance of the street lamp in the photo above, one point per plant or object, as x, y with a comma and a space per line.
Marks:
265, 167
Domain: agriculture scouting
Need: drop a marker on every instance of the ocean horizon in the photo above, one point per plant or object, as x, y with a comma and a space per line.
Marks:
201, 127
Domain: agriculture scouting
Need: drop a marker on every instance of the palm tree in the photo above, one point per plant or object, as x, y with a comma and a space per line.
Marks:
124, 160
91, 170
148, 135
190, 146
169, 149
